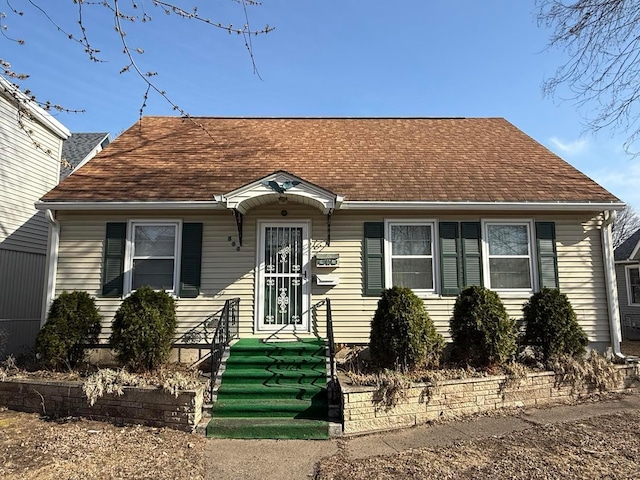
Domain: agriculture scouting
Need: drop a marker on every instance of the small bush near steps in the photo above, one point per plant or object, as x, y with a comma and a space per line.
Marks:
551, 326
402, 334
143, 329
73, 323
481, 330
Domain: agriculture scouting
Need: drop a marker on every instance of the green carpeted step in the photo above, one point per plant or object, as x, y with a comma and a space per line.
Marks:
249, 347
267, 428
249, 391
287, 362
281, 377
272, 407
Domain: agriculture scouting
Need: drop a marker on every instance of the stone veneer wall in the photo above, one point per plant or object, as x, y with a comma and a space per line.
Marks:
454, 398
146, 406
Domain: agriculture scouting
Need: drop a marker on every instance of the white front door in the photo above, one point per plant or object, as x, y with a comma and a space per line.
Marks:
282, 288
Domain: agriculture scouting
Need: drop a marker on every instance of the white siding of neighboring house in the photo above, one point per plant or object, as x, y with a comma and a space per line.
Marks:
26, 174
228, 273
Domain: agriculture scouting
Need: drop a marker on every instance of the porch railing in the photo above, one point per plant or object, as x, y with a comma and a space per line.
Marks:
330, 340
226, 329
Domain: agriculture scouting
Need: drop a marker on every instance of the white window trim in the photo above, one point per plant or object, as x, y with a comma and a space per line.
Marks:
129, 250
435, 264
627, 268
533, 261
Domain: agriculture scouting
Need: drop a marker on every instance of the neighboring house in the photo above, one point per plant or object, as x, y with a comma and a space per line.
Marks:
79, 148
627, 259
285, 212
30, 149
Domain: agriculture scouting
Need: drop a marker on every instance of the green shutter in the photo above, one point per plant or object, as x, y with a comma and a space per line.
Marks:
449, 258
113, 267
373, 256
547, 254
191, 260
471, 254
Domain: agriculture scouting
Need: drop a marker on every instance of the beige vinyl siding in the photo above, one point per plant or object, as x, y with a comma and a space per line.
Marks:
26, 174
228, 270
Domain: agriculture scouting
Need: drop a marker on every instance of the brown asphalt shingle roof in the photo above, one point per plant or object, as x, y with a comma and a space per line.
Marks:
399, 159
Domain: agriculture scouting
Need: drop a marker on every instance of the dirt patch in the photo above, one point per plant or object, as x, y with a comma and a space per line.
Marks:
600, 447
32, 448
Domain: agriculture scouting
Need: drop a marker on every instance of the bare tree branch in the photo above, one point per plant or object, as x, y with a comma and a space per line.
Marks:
122, 12
602, 74
626, 224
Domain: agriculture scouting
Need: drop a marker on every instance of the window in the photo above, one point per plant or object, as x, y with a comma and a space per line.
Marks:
508, 264
633, 285
153, 255
410, 260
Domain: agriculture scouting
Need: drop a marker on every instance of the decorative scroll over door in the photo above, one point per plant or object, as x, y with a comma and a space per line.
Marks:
284, 277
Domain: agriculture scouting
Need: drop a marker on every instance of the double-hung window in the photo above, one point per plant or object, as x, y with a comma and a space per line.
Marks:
410, 254
154, 248
508, 256
633, 285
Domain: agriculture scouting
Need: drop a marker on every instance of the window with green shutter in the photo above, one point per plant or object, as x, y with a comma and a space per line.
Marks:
150, 257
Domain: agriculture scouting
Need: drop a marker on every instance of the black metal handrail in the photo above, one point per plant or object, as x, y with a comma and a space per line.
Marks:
330, 339
225, 330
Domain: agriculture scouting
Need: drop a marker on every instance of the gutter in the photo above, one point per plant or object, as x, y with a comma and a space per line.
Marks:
340, 204
610, 283
51, 266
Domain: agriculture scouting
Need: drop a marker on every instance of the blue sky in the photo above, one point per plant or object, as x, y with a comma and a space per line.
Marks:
325, 58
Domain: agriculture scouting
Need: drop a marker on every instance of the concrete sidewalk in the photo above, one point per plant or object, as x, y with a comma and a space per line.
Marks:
295, 459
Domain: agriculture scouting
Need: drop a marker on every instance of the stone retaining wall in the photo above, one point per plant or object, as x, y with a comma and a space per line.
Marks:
454, 398
139, 405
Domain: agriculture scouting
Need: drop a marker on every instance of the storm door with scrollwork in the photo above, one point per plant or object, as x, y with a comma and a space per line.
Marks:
283, 282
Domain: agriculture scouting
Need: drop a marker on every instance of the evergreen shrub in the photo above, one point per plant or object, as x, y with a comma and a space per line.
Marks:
73, 324
143, 329
551, 326
402, 334
481, 330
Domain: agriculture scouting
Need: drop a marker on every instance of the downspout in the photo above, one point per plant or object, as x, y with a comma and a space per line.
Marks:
51, 264
610, 281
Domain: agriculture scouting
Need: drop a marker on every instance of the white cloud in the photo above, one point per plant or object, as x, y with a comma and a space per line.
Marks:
571, 148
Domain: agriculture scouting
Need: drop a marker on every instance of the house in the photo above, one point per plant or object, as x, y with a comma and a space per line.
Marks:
627, 261
30, 145
285, 212
79, 148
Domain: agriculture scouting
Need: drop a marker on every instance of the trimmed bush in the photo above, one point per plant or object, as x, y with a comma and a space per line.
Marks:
72, 325
551, 326
482, 332
143, 329
402, 334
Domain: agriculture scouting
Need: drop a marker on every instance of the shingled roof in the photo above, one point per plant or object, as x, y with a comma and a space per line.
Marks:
77, 147
362, 159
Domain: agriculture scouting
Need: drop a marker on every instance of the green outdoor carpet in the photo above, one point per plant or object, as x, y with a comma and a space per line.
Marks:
272, 390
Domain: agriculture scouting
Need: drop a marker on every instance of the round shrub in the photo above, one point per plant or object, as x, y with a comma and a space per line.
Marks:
482, 332
551, 325
72, 325
402, 334
143, 329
